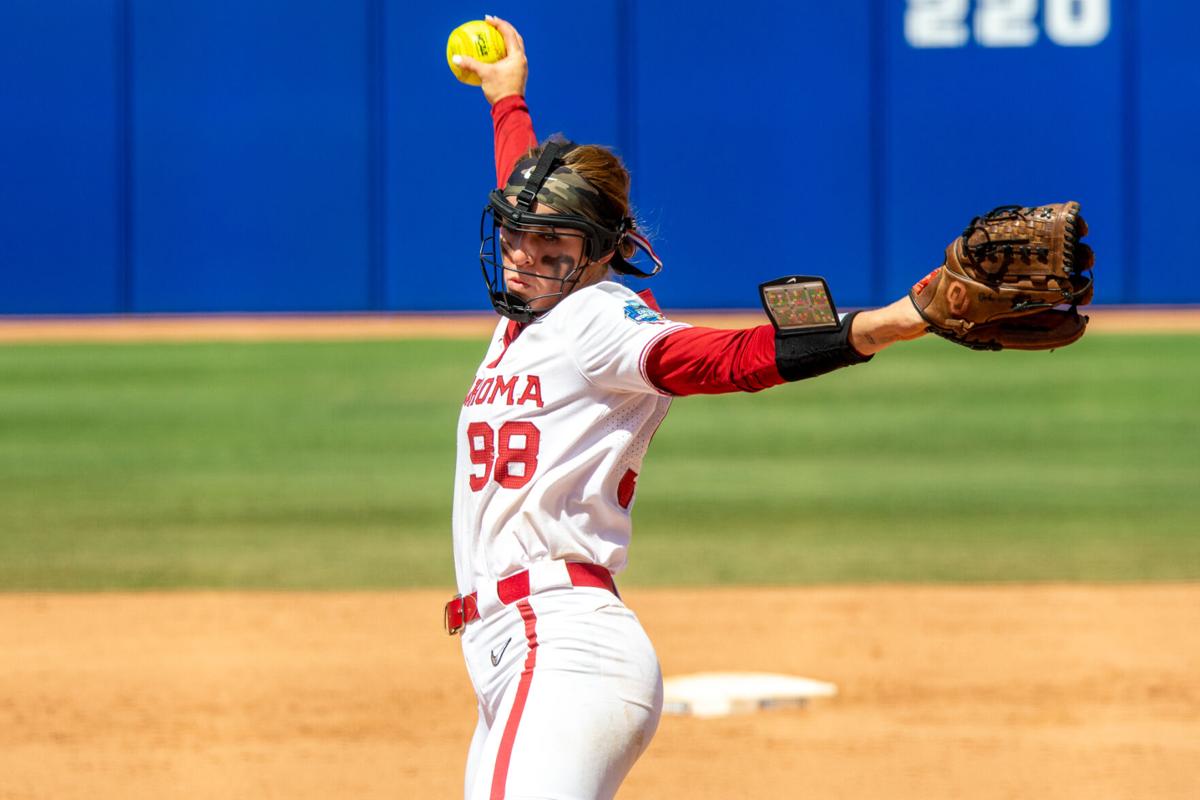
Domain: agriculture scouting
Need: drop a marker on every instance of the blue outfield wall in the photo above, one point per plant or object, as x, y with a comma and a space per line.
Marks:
61, 245
317, 155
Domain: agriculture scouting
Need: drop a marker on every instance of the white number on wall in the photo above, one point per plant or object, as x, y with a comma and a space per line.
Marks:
936, 23
1076, 23
1006, 23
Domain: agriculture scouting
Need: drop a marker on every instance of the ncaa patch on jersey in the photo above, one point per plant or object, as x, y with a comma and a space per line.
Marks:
638, 311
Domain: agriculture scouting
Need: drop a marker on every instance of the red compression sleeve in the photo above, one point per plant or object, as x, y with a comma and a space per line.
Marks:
711, 361
514, 134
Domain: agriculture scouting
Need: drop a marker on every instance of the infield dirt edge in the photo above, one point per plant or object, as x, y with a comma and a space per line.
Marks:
456, 325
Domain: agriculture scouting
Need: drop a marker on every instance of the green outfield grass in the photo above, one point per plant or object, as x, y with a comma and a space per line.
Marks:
328, 465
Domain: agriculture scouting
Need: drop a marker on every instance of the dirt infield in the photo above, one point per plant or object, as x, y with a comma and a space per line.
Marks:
232, 327
1050, 691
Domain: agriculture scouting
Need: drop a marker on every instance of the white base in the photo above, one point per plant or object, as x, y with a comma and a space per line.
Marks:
719, 694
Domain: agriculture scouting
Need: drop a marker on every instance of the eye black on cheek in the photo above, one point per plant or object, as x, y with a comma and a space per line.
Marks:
564, 263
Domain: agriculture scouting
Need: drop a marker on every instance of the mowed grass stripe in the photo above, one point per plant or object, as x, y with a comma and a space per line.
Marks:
329, 465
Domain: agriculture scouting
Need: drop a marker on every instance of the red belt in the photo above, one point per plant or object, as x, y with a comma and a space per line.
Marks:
464, 609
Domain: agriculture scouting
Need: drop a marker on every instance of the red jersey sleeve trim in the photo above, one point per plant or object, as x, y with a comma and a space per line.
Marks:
710, 361
513, 134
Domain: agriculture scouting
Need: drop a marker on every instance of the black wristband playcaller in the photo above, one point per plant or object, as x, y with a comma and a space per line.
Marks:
810, 339
799, 304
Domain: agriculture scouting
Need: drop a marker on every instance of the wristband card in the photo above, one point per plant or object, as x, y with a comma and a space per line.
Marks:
799, 304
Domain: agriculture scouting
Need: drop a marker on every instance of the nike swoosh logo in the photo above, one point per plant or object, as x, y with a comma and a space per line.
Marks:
497, 656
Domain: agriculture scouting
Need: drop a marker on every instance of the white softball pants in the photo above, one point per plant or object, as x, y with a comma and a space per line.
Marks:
569, 691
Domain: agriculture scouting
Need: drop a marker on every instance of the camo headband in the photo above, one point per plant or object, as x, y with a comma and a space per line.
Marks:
564, 189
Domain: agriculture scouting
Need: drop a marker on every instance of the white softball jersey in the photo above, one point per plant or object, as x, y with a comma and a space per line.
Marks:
552, 435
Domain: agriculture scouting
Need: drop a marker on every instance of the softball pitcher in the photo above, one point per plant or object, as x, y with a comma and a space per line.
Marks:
578, 376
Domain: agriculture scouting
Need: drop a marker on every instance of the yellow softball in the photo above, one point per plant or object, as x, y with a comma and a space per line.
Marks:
478, 40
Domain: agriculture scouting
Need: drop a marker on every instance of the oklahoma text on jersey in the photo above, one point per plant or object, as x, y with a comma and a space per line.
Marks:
491, 390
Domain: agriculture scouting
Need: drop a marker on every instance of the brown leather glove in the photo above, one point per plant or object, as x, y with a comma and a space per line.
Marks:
1004, 277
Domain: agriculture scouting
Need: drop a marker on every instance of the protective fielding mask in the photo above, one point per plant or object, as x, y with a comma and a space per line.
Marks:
584, 213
